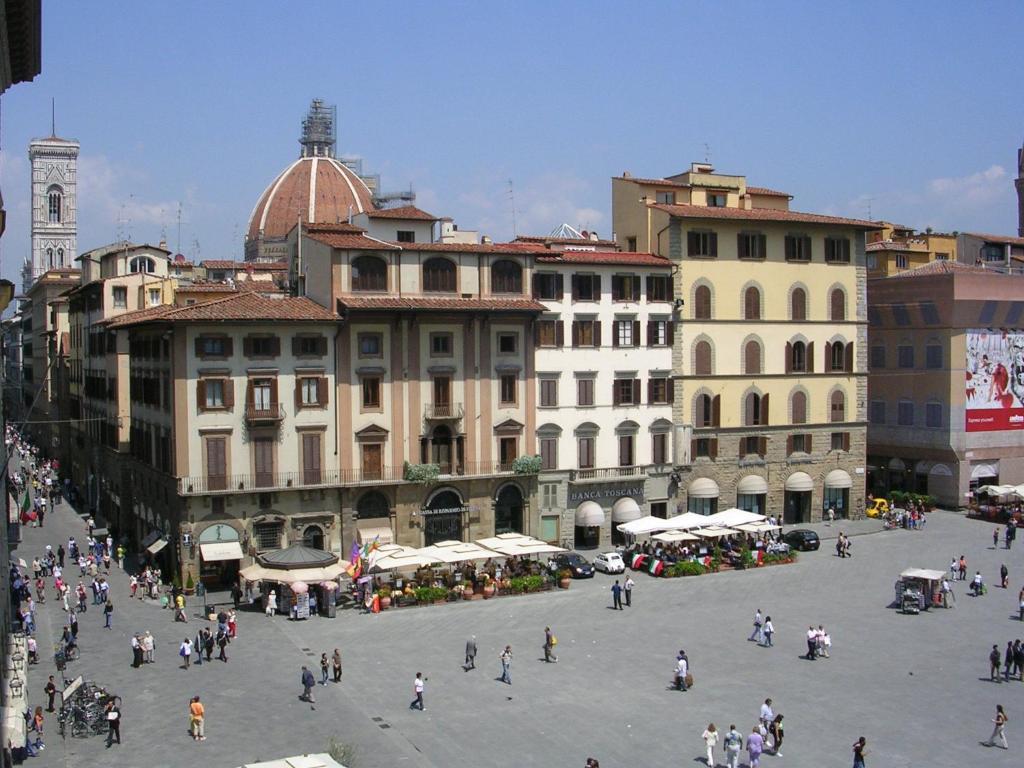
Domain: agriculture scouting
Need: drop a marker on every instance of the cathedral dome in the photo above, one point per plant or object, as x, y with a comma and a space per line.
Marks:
317, 190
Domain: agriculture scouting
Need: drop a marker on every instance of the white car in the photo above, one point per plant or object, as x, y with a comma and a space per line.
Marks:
610, 562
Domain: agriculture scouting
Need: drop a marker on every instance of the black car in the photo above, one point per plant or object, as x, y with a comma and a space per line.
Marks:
802, 539
576, 563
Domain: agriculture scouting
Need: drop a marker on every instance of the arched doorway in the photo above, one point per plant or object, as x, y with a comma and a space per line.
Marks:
372, 504
508, 510
442, 518
313, 537
220, 551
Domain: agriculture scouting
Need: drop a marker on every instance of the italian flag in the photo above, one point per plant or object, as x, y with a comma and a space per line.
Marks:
26, 503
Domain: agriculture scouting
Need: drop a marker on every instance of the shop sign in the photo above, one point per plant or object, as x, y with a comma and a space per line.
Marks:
448, 510
636, 492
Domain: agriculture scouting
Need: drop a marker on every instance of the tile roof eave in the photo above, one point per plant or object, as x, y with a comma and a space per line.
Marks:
760, 214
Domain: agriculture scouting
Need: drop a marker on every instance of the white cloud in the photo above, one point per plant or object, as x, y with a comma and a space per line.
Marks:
983, 186
105, 198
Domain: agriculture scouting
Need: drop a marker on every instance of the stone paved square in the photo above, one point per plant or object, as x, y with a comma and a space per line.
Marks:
915, 686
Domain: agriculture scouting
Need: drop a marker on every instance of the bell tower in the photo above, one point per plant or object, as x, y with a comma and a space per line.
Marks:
54, 164
1019, 183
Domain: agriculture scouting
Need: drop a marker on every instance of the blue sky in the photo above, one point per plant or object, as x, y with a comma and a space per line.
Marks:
914, 107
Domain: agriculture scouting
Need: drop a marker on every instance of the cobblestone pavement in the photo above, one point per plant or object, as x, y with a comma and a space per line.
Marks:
916, 686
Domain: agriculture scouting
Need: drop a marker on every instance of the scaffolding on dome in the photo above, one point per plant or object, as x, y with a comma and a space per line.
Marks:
318, 130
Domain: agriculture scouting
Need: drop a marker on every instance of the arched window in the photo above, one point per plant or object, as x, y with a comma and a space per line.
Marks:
798, 406
60, 257
55, 204
49, 258
838, 403
506, 277
799, 359
702, 358
439, 275
798, 304
755, 410
373, 504
508, 510
837, 304
837, 360
369, 274
702, 303
752, 357
141, 264
313, 537
752, 303
703, 415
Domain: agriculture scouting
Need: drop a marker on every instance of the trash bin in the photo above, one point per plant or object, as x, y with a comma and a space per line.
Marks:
209, 609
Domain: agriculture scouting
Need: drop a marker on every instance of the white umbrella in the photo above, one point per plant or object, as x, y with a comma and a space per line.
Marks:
715, 532
674, 536
734, 517
643, 525
758, 527
686, 521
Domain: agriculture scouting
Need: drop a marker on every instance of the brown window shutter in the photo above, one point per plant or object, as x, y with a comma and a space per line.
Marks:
199, 346
322, 345
424, 451
575, 333
670, 387
247, 346
789, 445
810, 358
716, 411
615, 332
789, 357
560, 332
764, 410
741, 246
849, 357
229, 347
536, 282
536, 333
615, 393
616, 288
636, 288
296, 346
229, 393
559, 287
713, 448
248, 394
670, 332
650, 286
636, 391
275, 346
575, 288
636, 333
691, 243
322, 394
597, 333
762, 446
201, 394
828, 356
846, 441
597, 287
650, 390
807, 443
273, 392
807, 248
713, 243
693, 449
846, 249
298, 393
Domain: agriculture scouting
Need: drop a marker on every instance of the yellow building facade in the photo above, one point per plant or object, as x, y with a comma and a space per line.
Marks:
892, 249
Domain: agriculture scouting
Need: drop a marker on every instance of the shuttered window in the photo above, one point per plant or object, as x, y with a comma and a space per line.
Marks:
702, 359
752, 303
702, 303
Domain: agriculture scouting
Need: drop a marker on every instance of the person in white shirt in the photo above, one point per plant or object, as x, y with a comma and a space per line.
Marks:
826, 644
710, 737
767, 714
769, 630
681, 670
628, 589
812, 643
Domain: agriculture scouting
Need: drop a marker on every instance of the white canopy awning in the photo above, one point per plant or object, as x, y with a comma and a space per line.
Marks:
257, 572
455, 552
715, 532
761, 527
838, 478
157, 545
752, 485
730, 518
686, 521
589, 515
922, 573
984, 469
625, 509
674, 536
799, 481
703, 488
372, 528
221, 550
643, 525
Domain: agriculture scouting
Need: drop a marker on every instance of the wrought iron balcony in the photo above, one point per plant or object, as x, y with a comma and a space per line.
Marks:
264, 414
442, 411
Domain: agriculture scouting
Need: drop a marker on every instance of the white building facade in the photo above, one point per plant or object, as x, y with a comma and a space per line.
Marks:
605, 390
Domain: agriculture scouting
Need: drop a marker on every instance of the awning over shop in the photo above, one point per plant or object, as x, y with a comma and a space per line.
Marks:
686, 521
624, 510
799, 482
703, 488
154, 542
730, 518
99, 533
371, 529
984, 469
589, 515
643, 525
838, 478
221, 550
752, 485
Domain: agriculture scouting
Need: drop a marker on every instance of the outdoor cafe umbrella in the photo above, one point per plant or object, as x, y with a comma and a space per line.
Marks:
674, 536
715, 532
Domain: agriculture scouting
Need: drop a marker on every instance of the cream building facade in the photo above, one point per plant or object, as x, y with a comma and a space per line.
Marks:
770, 353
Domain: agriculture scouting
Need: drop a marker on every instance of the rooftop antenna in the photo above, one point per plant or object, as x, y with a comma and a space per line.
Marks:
124, 224
512, 198
868, 202
178, 247
53, 116
707, 152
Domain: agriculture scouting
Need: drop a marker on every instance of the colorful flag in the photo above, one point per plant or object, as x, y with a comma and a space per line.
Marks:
355, 567
26, 504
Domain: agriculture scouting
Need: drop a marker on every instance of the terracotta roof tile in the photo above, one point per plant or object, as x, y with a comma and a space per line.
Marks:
402, 212
761, 214
521, 248
604, 257
563, 240
767, 192
259, 266
942, 267
242, 307
338, 226
350, 242
888, 245
439, 304
661, 182
1006, 239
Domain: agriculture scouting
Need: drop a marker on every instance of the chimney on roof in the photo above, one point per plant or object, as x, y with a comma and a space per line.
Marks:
486, 240
163, 243
702, 168
594, 237
626, 175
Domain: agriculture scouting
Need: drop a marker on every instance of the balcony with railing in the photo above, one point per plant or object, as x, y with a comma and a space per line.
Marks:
270, 413
310, 479
608, 473
442, 411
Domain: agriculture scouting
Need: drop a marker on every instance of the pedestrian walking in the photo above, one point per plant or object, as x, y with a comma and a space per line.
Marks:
824, 642
995, 538
550, 641
113, 722
417, 689
50, 689
1007, 660
999, 730
197, 719
108, 614
812, 644
682, 671
859, 748
1004, 576
733, 743
148, 647
185, 651
617, 595
994, 663
776, 732
272, 603
758, 623
222, 645
324, 667
60, 555
769, 631
470, 662
307, 686
767, 714
962, 568
336, 663
627, 588
506, 665
755, 746
136, 651
198, 644
710, 737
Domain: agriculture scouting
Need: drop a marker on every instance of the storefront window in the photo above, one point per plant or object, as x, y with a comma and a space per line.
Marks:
701, 506
752, 502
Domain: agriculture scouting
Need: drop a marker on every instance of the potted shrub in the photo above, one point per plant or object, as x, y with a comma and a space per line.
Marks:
488, 587
467, 591
564, 578
385, 597
190, 584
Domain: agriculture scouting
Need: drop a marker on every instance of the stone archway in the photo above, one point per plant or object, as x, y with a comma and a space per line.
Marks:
508, 510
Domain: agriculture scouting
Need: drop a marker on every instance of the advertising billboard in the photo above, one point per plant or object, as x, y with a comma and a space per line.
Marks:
995, 380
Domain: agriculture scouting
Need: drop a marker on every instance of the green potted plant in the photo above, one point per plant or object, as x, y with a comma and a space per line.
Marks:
190, 584
564, 578
488, 587
385, 597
